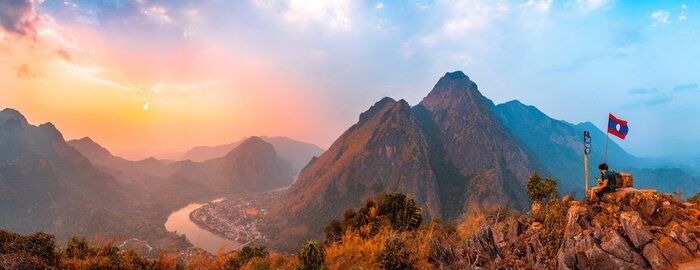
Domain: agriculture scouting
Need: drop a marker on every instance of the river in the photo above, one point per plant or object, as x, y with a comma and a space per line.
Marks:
179, 221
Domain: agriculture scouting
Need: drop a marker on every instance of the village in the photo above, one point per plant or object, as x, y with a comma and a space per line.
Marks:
236, 218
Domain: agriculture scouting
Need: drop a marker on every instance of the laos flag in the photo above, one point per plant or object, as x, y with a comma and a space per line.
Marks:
617, 127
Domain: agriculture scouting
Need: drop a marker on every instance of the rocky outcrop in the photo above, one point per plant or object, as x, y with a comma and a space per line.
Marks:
633, 229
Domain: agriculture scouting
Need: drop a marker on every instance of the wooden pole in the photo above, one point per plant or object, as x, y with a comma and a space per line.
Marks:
585, 168
605, 157
586, 151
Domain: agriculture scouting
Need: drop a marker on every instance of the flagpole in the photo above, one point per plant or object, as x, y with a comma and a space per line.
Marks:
605, 157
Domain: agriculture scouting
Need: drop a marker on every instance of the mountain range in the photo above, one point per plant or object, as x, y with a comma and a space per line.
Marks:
46, 185
79, 188
299, 153
454, 152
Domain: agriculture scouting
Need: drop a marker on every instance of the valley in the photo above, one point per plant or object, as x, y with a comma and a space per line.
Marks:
236, 218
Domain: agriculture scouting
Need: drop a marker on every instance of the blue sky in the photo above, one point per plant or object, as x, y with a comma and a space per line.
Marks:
575, 60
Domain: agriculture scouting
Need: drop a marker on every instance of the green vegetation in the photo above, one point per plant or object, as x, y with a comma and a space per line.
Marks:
541, 191
394, 256
312, 256
387, 232
396, 210
245, 255
552, 233
553, 210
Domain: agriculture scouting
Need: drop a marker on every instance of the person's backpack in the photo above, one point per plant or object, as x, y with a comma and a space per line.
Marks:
623, 180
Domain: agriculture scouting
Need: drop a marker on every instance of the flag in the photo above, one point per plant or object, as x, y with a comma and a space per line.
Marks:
617, 127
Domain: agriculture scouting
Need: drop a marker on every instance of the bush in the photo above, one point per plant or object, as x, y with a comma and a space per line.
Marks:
394, 256
40, 244
552, 233
541, 191
396, 209
695, 198
77, 248
245, 255
334, 231
312, 256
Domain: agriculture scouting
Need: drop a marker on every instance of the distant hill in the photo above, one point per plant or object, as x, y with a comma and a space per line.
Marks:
299, 153
46, 185
253, 165
558, 145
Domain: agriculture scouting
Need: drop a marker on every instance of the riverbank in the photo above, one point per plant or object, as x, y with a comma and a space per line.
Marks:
236, 219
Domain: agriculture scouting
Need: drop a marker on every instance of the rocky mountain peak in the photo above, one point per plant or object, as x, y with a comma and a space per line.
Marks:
253, 143
11, 114
377, 107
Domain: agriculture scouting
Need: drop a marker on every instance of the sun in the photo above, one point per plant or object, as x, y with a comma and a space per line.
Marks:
146, 106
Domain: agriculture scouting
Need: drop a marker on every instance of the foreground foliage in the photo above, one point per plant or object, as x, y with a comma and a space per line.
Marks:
384, 234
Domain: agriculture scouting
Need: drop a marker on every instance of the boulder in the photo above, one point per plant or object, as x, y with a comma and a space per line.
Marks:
647, 207
675, 253
484, 244
655, 258
516, 228
584, 253
662, 215
634, 229
614, 243
577, 220
677, 232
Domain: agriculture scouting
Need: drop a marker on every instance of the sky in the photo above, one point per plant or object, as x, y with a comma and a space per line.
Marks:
169, 75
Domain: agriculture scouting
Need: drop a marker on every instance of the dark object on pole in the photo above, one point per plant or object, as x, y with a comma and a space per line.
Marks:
586, 152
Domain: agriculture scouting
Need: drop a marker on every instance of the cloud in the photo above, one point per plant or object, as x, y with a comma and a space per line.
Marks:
24, 71
63, 54
473, 14
587, 6
334, 14
650, 102
540, 5
642, 91
686, 87
18, 17
684, 6
576, 63
661, 16
379, 5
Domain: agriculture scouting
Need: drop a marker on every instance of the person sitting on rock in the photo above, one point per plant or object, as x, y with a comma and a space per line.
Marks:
606, 183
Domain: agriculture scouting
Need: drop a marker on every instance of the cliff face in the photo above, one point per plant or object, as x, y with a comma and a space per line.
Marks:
468, 138
449, 152
384, 151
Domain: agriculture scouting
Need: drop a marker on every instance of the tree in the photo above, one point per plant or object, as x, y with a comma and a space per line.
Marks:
312, 256
394, 256
541, 191
334, 231
77, 248
401, 212
246, 254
